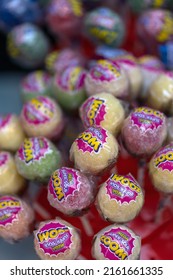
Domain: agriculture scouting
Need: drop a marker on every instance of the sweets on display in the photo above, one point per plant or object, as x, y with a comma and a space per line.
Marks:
57, 240
103, 110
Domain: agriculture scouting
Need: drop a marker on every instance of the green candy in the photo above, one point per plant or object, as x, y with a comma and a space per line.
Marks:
37, 158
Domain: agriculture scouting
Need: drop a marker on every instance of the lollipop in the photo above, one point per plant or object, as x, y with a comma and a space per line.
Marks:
133, 72
161, 169
10, 181
35, 84
116, 242
160, 95
69, 191
107, 76
105, 27
16, 218
58, 61
27, 45
120, 198
150, 61
106, 52
57, 240
11, 132
102, 110
69, 87
144, 131
42, 117
94, 150
37, 158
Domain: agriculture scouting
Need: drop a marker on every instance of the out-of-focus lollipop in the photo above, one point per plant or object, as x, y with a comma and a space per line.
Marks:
58, 61
120, 198
133, 72
150, 61
11, 132
160, 93
70, 191
42, 117
103, 110
105, 27
10, 181
69, 87
161, 169
37, 158
107, 76
16, 218
94, 150
144, 131
116, 242
27, 45
57, 240
64, 16
106, 52
35, 84
14, 12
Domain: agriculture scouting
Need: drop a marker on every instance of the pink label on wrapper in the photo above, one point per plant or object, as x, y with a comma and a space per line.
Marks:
122, 188
36, 82
63, 183
4, 120
147, 118
116, 244
33, 149
105, 70
3, 158
9, 209
93, 111
38, 111
92, 140
72, 79
164, 158
54, 238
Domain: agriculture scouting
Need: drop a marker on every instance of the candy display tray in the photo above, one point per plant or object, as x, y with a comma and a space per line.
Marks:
154, 224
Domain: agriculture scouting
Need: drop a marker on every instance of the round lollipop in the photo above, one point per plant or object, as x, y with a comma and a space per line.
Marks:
103, 110
120, 198
11, 132
70, 191
105, 27
144, 131
69, 87
35, 84
16, 218
107, 76
27, 45
57, 240
10, 181
58, 61
116, 242
94, 150
37, 158
161, 169
160, 94
42, 117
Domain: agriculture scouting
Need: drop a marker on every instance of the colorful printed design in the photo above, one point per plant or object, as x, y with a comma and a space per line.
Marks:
123, 189
93, 111
164, 158
54, 238
36, 82
105, 71
4, 120
151, 62
3, 158
72, 79
38, 111
147, 118
9, 210
63, 183
92, 140
126, 60
116, 244
76, 6
33, 149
